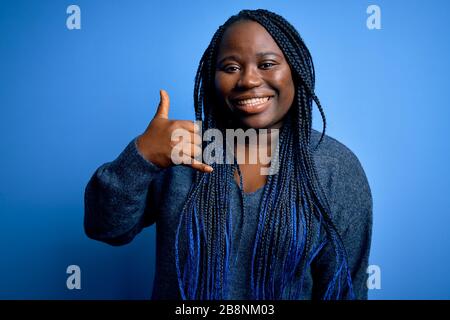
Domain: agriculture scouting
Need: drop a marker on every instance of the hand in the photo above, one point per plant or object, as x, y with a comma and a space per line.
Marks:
156, 144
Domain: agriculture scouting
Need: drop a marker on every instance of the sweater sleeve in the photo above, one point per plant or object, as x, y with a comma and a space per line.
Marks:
351, 204
116, 205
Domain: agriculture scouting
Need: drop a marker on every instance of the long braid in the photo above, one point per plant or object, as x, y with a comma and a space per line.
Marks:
291, 200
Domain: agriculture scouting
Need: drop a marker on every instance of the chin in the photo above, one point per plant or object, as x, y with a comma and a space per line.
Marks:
255, 123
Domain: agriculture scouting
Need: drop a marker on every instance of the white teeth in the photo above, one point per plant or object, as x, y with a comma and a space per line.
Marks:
252, 101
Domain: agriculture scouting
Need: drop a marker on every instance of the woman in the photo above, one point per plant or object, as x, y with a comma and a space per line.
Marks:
224, 230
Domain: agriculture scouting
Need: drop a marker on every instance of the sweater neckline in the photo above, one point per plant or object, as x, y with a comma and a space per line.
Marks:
249, 194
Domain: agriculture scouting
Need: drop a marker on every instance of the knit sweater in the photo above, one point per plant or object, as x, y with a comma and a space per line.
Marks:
131, 193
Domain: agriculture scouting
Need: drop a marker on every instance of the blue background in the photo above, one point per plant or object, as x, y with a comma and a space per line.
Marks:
71, 100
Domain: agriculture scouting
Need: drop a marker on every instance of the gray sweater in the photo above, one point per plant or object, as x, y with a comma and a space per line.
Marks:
130, 193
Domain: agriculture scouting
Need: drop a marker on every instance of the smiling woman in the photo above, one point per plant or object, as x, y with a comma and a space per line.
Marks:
226, 231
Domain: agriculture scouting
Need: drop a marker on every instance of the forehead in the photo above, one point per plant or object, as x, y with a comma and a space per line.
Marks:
247, 37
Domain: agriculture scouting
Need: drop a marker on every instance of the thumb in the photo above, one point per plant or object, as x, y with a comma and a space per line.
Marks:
163, 107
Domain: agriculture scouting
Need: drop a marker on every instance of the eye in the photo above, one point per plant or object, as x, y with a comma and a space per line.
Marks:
267, 65
230, 68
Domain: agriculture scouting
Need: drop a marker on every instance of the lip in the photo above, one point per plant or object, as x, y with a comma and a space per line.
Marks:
253, 109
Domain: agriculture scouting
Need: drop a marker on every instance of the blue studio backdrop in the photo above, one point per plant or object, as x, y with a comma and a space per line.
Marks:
71, 100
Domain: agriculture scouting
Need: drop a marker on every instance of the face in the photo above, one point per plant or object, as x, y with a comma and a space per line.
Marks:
253, 79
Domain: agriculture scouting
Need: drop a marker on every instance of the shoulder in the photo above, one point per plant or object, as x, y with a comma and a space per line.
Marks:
332, 152
332, 155
342, 177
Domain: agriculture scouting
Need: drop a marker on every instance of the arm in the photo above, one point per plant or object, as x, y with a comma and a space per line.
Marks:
116, 203
116, 197
351, 205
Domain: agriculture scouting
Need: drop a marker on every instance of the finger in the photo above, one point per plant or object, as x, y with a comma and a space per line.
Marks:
195, 164
184, 152
163, 107
188, 125
192, 150
196, 139
182, 136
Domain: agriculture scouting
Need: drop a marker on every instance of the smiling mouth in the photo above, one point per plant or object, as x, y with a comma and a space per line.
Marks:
252, 105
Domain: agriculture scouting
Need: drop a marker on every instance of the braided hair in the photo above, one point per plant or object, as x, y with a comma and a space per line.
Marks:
292, 199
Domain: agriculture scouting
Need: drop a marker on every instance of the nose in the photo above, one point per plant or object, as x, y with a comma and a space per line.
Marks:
250, 78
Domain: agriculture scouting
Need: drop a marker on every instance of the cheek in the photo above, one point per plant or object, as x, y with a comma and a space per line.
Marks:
290, 92
286, 89
223, 85
290, 87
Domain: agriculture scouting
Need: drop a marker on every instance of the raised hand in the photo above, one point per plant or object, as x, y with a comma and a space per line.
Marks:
156, 143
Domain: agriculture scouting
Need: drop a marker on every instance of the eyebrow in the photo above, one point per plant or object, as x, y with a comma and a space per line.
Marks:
268, 53
259, 55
